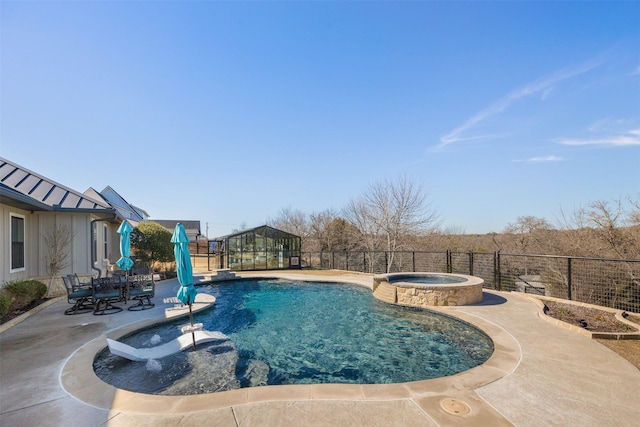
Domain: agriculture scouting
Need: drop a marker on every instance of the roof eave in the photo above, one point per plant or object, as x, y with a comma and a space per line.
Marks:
18, 200
102, 211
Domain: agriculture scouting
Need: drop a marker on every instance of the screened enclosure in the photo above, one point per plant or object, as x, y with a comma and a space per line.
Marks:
261, 248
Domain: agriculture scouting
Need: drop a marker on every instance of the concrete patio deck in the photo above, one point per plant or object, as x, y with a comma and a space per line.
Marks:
540, 374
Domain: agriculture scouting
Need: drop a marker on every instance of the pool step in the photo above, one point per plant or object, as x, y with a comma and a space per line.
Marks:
221, 274
385, 292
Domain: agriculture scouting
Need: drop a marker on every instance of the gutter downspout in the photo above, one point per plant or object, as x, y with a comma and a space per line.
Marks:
93, 248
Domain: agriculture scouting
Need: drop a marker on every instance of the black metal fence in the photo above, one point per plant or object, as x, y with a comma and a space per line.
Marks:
608, 282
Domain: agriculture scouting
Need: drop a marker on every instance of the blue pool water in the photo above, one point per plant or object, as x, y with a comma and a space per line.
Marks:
281, 332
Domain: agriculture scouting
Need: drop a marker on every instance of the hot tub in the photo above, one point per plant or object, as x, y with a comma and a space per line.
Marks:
428, 289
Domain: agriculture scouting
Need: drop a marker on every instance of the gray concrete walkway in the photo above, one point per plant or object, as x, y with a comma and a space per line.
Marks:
541, 374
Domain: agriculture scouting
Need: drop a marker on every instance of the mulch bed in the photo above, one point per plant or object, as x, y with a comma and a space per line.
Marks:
591, 319
15, 313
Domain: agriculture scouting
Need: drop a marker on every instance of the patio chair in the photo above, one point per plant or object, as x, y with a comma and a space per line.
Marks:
141, 288
119, 273
76, 283
80, 297
106, 291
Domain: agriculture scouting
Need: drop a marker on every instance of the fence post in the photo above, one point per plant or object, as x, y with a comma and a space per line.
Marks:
413, 260
449, 266
470, 263
496, 269
569, 279
346, 260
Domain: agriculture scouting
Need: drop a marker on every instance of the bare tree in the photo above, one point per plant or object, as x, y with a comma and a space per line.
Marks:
634, 211
607, 220
442, 239
320, 230
632, 222
329, 232
361, 215
294, 222
604, 229
528, 232
388, 212
57, 239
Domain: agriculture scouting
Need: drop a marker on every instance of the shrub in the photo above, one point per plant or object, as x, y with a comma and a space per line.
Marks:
4, 304
24, 292
151, 243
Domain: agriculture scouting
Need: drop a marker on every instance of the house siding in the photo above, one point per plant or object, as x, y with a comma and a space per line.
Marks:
5, 238
43, 203
79, 257
36, 226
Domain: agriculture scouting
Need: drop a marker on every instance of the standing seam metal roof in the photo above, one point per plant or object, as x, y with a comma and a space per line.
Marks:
44, 191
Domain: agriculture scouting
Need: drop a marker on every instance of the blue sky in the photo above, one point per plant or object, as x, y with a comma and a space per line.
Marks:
228, 112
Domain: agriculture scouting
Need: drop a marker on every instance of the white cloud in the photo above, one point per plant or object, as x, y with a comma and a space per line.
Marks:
542, 159
610, 125
544, 85
546, 93
631, 137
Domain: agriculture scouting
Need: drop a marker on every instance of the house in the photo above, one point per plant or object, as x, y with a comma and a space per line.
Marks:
125, 210
192, 228
33, 207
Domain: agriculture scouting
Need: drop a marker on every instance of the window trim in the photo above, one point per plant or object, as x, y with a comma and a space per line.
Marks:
24, 243
94, 246
105, 236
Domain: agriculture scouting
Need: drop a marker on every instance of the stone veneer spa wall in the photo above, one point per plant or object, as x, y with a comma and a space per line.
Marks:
428, 289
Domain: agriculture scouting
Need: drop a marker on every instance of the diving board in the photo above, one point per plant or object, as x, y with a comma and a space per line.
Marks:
158, 352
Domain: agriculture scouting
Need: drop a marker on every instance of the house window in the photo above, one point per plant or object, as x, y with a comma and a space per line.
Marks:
17, 242
105, 232
94, 249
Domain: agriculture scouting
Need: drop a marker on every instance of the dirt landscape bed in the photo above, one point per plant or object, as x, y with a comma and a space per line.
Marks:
591, 319
20, 311
595, 320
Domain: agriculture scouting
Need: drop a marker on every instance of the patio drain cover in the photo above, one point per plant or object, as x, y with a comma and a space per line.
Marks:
455, 406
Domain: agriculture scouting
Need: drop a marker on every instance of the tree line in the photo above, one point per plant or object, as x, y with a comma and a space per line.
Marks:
395, 215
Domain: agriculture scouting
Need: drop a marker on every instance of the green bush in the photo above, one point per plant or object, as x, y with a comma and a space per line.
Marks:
151, 243
22, 293
4, 304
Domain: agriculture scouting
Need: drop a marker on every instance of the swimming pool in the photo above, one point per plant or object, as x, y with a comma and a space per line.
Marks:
283, 332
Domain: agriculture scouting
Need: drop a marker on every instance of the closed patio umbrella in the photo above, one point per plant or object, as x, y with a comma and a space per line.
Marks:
187, 292
125, 229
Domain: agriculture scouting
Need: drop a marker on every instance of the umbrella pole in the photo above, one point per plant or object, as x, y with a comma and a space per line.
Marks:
193, 334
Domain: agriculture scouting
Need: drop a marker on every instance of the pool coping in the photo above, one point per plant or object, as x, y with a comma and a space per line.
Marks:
79, 380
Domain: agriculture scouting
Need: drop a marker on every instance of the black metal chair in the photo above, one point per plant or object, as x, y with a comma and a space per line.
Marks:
81, 298
119, 273
76, 283
141, 288
106, 291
